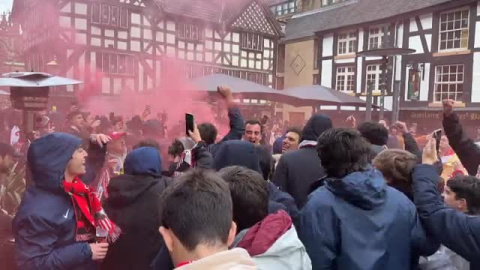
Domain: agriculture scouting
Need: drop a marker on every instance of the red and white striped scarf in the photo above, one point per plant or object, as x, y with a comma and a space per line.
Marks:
89, 212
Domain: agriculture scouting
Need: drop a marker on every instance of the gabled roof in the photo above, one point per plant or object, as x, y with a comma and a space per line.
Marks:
354, 12
214, 11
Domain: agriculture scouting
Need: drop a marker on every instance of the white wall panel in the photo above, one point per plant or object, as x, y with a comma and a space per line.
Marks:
327, 45
427, 21
327, 73
476, 78
359, 74
416, 43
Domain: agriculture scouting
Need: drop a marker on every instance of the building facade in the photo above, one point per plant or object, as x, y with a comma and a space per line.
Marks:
10, 45
118, 45
322, 46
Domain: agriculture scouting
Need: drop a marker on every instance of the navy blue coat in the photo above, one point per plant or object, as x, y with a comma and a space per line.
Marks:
360, 223
455, 230
45, 225
237, 128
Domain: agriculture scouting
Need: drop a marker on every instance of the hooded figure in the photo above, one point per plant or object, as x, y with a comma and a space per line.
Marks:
133, 205
45, 226
246, 154
298, 170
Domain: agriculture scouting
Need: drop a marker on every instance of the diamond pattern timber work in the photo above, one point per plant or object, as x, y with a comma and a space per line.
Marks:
298, 64
255, 20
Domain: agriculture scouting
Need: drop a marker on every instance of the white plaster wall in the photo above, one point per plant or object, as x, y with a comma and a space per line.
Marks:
413, 25
476, 78
428, 37
360, 40
327, 73
427, 21
388, 102
327, 49
416, 43
359, 74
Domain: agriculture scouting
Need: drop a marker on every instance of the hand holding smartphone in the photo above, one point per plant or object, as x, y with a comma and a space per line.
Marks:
189, 123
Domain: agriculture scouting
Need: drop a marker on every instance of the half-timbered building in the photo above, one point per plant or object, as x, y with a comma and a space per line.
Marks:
118, 45
445, 35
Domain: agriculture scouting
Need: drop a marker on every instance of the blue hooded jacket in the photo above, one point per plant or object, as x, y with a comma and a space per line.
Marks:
359, 223
45, 225
456, 230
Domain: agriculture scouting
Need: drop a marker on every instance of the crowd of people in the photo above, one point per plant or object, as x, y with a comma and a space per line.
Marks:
109, 194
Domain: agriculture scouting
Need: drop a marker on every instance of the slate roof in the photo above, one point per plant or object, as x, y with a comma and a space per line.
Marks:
205, 10
353, 12
211, 11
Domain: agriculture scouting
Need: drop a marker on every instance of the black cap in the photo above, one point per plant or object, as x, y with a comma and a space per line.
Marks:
7, 149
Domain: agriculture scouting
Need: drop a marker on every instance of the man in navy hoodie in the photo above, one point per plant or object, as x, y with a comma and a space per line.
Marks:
45, 227
355, 221
456, 230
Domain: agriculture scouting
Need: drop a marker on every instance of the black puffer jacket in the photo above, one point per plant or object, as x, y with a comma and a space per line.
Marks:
298, 170
133, 205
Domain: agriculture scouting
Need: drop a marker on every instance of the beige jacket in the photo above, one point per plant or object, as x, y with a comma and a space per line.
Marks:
234, 259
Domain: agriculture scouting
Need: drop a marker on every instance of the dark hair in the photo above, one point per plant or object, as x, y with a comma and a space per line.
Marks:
468, 188
255, 122
208, 132
148, 143
197, 207
249, 195
375, 133
343, 151
74, 113
176, 148
295, 130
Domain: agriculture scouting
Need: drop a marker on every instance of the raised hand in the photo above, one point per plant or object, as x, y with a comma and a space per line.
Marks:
448, 105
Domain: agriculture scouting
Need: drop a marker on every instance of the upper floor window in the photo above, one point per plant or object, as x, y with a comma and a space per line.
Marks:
114, 63
376, 38
285, 8
449, 82
345, 79
252, 41
454, 27
189, 32
109, 15
347, 42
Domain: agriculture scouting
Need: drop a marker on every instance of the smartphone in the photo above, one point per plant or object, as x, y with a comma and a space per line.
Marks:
437, 134
189, 122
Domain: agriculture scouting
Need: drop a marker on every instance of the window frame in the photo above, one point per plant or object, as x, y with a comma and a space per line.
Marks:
378, 76
378, 36
343, 76
182, 32
448, 82
347, 40
244, 41
447, 31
